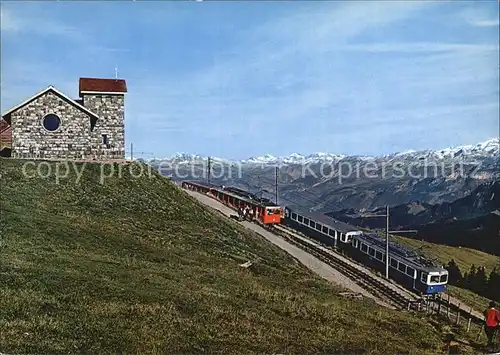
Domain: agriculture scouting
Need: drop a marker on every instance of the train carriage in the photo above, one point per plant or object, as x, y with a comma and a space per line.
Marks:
325, 229
405, 267
264, 210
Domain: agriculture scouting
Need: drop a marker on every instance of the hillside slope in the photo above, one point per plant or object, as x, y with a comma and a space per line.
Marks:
482, 201
472, 221
135, 265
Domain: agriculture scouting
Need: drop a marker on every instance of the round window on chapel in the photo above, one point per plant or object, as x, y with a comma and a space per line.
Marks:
51, 122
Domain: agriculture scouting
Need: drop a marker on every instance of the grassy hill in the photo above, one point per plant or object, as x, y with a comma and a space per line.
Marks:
464, 257
135, 265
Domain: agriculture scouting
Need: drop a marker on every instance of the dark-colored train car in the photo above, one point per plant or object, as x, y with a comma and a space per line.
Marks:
323, 228
406, 267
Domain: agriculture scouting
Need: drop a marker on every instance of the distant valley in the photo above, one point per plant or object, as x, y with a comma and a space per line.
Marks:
328, 182
451, 196
472, 221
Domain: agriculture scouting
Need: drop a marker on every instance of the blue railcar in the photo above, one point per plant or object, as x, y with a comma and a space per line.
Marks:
406, 267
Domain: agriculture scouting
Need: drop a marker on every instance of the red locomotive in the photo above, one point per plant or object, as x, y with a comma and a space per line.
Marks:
247, 204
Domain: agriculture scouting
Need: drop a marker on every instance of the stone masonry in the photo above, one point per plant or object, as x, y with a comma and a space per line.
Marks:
30, 138
110, 109
90, 128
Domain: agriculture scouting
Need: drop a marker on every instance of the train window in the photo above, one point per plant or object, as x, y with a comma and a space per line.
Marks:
331, 232
364, 247
306, 221
444, 278
300, 219
423, 278
402, 267
318, 226
325, 229
312, 224
410, 271
371, 252
394, 263
434, 279
379, 255
294, 216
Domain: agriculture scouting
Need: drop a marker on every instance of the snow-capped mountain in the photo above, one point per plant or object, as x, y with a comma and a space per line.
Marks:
372, 181
487, 148
294, 158
265, 159
479, 150
186, 158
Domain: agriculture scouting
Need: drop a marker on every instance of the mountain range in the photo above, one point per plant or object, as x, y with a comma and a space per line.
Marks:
472, 221
330, 182
486, 148
449, 195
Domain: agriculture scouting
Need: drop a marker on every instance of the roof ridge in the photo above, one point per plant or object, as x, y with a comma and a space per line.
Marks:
57, 92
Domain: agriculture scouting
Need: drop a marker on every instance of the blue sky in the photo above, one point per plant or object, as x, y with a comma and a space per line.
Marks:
240, 79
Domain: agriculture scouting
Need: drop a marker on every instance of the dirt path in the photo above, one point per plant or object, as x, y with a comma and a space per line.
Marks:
319, 267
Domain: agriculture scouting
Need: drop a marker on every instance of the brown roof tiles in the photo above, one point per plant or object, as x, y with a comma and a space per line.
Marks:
102, 85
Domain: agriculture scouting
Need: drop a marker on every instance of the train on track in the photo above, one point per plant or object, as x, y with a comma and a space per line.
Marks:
248, 205
406, 267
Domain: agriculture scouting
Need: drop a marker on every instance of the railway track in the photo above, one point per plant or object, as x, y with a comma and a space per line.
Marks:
376, 285
389, 292
379, 287
371, 283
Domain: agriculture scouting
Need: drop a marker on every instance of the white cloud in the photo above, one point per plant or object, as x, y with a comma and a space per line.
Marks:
272, 49
26, 75
36, 25
274, 63
304, 67
486, 23
480, 17
7, 22
418, 47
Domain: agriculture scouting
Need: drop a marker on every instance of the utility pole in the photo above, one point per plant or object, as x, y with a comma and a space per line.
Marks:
208, 172
387, 242
277, 178
131, 151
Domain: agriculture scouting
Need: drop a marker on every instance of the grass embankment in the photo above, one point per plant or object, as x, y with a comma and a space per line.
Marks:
468, 297
464, 257
135, 265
